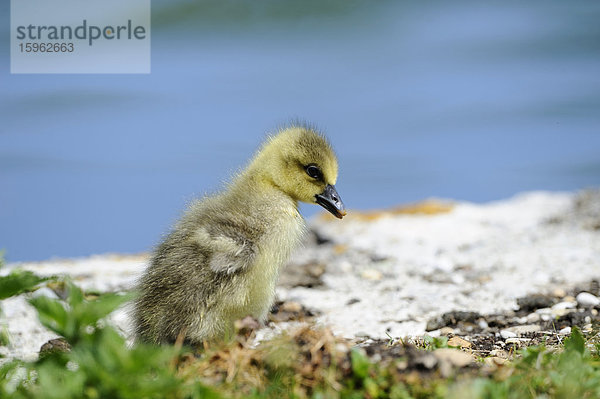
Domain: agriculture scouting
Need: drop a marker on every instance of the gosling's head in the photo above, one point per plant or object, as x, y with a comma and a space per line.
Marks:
300, 162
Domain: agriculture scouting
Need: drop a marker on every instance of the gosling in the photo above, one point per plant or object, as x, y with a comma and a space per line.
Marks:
221, 261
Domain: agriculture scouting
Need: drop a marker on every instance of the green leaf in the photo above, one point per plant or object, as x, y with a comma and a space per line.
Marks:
432, 343
371, 388
90, 312
360, 363
52, 314
19, 281
99, 365
76, 296
73, 322
4, 335
576, 342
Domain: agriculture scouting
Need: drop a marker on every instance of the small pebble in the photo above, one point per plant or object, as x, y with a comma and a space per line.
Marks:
341, 348
533, 318
528, 328
56, 345
494, 361
483, 324
291, 307
514, 341
588, 300
561, 312
565, 331
459, 342
352, 301
446, 331
402, 364
559, 293
505, 334
499, 353
563, 305
371, 274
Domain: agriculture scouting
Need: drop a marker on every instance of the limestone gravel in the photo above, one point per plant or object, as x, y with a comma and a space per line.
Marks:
388, 274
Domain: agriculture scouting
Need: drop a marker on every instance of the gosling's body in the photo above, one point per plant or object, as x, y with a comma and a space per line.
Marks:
221, 261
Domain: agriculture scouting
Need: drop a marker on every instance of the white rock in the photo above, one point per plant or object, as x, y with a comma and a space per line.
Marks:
45, 291
586, 299
565, 331
533, 318
563, 305
561, 312
519, 330
559, 293
507, 334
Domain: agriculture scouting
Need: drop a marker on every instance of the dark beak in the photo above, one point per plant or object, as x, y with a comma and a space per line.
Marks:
330, 200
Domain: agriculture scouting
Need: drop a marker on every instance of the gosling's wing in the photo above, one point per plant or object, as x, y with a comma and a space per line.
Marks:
229, 251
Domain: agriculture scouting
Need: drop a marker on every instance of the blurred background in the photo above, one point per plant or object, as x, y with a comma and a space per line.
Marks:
464, 100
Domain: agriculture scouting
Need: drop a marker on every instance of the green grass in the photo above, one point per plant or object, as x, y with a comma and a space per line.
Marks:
309, 362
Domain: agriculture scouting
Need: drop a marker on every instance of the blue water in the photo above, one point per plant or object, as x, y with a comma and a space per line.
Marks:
462, 100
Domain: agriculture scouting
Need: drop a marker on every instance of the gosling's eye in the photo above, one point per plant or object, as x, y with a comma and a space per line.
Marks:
314, 171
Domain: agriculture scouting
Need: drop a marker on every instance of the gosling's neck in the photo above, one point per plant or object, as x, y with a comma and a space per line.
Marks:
260, 191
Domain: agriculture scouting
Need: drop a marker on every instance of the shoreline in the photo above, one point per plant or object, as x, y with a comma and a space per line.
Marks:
388, 273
